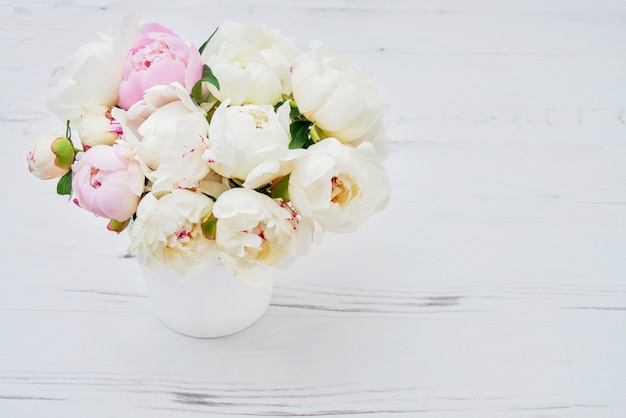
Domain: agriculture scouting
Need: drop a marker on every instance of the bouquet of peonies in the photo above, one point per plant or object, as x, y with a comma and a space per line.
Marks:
244, 150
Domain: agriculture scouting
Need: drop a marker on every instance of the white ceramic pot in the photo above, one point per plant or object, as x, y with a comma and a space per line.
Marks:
208, 305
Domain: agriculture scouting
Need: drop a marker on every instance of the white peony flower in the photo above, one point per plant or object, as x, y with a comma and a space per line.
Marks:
168, 131
339, 186
250, 143
97, 127
250, 62
213, 185
167, 233
253, 231
93, 76
337, 96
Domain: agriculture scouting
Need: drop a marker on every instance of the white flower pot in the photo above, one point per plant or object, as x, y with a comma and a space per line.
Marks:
208, 305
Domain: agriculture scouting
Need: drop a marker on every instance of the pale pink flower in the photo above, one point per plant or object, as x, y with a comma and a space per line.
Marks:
157, 57
108, 181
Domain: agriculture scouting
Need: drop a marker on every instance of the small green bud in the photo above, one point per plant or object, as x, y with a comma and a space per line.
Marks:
209, 226
64, 151
117, 226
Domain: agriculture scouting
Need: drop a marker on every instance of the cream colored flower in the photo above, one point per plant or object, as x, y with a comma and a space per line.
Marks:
250, 62
250, 143
168, 131
253, 231
338, 186
167, 233
337, 96
51, 156
95, 73
213, 185
97, 127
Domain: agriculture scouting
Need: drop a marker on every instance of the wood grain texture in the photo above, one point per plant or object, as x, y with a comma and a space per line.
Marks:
493, 285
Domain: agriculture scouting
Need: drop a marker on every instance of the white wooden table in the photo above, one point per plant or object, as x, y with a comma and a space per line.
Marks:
493, 285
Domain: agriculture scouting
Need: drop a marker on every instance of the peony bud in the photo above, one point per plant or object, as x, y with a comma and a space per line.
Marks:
208, 224
51, 156
117, 226
97, 127
337, 96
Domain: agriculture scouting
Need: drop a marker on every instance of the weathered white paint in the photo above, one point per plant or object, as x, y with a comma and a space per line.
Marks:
494, 285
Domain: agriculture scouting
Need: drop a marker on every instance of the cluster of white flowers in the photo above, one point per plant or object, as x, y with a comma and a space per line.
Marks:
248, 150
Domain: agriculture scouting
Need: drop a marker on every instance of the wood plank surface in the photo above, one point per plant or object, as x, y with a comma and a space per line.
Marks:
493, 285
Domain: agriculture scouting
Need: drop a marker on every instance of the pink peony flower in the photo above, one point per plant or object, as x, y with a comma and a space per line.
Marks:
157, 57
108, 181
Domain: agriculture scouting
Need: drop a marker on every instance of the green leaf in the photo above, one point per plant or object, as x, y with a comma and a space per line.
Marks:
280, 188
209, 226
64, 186
300, 134
235, 183
203, 46
279, 104
207, 76
295, 114
196, 91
